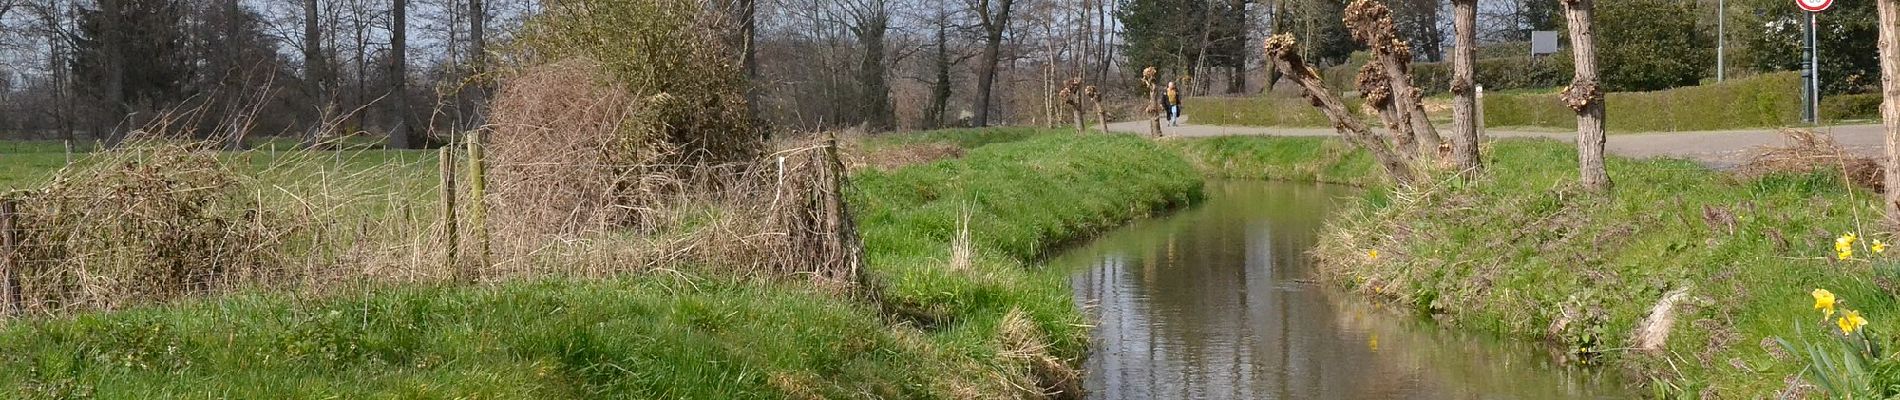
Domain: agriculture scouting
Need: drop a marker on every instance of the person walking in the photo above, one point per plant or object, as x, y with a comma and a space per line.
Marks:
1171, 101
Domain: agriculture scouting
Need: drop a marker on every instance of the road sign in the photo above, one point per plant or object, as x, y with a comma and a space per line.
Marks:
1813, 5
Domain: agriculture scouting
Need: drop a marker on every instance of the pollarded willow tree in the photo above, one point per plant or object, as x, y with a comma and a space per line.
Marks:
1411, 143
1464, 103
1585, 95
1371, 25
1285, 52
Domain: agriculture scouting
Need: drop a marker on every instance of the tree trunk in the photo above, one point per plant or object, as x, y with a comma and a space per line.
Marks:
876, 95
1273, 28
1281, 48
985, 79
1890, 106
1586, 97
477, 94
1101, 115
994, 22
940, 85
1464, 105
234, 81
316, 69
112, 45
399, 134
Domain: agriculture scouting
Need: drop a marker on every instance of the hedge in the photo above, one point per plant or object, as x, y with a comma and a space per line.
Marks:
1850, 106
1767, 100
1505, 73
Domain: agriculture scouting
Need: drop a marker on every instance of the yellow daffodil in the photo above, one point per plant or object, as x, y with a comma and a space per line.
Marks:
1878, 247
1844, 246
1850, 321
1824, 301
1372, 254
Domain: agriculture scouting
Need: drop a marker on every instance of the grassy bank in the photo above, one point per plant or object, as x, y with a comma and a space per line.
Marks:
983, 329
1762, 101
1523, 252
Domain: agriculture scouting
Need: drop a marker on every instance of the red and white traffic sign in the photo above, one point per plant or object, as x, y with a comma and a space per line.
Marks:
1813, 5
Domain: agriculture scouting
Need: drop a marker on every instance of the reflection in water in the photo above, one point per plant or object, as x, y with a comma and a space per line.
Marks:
1213, 303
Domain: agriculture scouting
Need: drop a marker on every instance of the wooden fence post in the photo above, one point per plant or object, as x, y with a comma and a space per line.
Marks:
449, 232
9, 257
478, 207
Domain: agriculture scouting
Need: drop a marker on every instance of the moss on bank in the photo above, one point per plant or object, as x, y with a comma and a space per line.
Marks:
676, 334
1524, 252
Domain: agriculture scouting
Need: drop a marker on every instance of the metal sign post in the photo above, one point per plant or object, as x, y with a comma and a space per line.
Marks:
1811, 85
1809, 96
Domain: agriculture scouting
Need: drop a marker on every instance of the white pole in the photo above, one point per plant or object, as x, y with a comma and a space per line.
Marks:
1721, 37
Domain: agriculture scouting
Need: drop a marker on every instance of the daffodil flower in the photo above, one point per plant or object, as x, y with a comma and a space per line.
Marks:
1824, 301
1844, 246
1372, 254
1850, 321
1879, 247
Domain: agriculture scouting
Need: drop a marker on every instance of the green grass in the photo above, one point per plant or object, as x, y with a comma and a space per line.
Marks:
661, 336
1511, 252
1307, 159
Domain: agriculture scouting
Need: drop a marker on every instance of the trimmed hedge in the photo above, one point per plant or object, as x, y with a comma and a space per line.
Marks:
1505, 73
1261, 111
1768, 100
1850, 106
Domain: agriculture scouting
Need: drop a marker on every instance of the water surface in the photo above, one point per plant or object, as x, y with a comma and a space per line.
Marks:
1218, 302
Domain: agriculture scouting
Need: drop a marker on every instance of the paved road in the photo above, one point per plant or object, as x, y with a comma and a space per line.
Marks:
1720, 149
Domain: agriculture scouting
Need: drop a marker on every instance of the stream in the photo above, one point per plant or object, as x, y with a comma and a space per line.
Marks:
1219, 301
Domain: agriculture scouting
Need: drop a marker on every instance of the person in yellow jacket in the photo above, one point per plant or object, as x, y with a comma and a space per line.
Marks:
1171, 101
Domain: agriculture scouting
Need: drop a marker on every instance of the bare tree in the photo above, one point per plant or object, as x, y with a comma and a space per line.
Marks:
993, 19
317, 79
870, 22
1464, 123
400, 136
1585, 97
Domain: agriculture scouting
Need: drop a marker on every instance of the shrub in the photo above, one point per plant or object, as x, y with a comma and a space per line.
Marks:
670, 56
1850, 106
1648, 45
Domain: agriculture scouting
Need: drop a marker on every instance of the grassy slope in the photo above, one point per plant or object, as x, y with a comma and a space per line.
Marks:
1512, 252
657, 336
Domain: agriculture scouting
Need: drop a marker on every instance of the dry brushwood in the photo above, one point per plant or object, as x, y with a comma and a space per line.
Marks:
1026, 349
1371, 24
571, 152
1808, 152
145, 222
1285, 53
